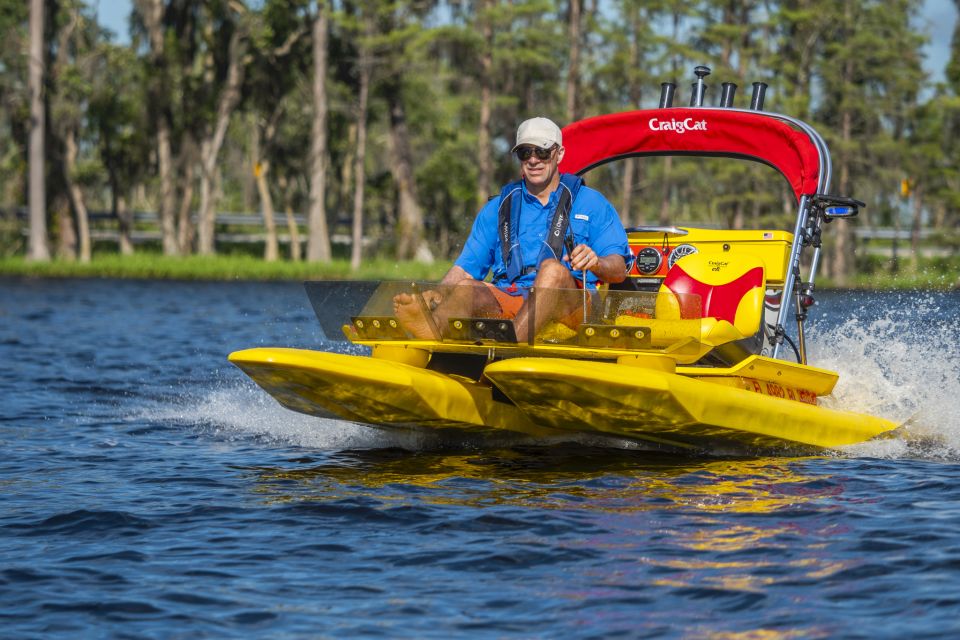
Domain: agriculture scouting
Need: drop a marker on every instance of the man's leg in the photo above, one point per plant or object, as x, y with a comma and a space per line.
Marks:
548, 302
467, 298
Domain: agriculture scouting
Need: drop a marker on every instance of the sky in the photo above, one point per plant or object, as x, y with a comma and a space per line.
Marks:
937, 20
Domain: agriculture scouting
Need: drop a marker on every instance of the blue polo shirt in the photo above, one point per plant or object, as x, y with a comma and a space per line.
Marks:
593, 222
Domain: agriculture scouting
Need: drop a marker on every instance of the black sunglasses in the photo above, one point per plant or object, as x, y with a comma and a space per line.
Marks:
524, 153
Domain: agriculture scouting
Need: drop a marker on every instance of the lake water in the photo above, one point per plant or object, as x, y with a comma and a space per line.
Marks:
148, 489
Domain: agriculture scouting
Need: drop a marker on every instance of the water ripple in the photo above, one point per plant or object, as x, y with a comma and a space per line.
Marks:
150, 490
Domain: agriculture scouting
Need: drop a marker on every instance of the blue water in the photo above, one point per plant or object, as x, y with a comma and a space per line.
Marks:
147, 489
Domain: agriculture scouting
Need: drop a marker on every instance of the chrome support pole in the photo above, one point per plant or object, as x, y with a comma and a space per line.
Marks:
793, 268
801, 342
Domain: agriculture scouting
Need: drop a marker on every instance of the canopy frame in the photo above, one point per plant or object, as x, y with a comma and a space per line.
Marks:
787, 144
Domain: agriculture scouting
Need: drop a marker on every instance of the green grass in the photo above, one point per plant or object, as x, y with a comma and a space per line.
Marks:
220, 267
931, 274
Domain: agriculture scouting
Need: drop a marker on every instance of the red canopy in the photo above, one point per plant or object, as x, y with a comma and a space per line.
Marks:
695, 131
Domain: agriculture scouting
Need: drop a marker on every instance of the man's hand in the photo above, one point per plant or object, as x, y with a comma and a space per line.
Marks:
583, 258
610, 268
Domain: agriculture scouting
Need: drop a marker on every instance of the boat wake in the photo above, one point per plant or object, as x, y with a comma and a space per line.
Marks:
238, 410
901, 363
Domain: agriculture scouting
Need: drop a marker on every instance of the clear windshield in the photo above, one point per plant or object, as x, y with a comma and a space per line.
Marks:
423, 311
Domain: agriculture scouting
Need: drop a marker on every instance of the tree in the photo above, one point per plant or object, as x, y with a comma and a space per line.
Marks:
39, 249
277, 36
215, 130
318, 238
152, 13
120, 126
870, 68
76, 63
573, 59
365, 71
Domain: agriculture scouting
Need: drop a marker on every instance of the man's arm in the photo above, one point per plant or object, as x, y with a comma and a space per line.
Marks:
455, 275
610, 268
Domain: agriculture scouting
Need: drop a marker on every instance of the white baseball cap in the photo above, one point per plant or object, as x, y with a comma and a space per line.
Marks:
540, 132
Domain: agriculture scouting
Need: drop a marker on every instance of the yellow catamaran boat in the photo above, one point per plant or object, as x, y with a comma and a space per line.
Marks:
690, 355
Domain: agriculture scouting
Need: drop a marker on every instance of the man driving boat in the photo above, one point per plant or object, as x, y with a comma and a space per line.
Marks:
547, 230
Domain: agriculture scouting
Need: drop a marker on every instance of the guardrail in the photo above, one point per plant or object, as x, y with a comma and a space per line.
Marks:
247, 219
223, 219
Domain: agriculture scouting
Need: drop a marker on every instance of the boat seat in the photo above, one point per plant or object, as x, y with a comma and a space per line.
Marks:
726, 291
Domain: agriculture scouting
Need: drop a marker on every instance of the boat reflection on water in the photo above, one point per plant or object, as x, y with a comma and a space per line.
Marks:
728, 533
559, 477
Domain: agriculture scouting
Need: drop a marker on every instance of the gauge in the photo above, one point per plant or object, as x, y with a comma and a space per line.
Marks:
649, 261
678, 252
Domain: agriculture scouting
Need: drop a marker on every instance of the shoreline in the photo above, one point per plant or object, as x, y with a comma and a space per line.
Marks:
225, 268
219, 268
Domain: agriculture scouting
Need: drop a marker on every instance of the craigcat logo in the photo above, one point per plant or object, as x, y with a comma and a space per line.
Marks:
677, 126
717, 265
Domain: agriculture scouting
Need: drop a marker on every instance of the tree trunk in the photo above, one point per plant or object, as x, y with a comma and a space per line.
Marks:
738, 214
629, 169
186, 231
573, 62
76, 194
356, 248
39, 248
168, 226
630, 165
271, 249
66, 234
210, 147
205, 226
843, 248
125, 223
344, 194
915, 228
664, 217
292, 228
318, 239
410, 228
484, 158
152, 12
261, 168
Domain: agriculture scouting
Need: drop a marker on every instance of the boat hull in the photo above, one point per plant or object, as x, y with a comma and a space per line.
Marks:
547, 397
381, 393
675, 410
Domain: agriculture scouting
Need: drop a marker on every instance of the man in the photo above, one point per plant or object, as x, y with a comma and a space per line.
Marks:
547, 231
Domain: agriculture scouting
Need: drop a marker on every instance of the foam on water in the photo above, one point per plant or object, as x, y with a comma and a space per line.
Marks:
244, 410
241, 410
901, 363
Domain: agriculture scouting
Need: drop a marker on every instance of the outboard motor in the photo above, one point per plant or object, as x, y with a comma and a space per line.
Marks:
699, 87
729, 91
759, 91
667, 90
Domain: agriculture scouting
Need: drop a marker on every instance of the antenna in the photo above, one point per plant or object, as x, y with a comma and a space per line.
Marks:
699, 87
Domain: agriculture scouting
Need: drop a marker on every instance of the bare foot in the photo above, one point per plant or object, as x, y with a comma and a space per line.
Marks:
411, 315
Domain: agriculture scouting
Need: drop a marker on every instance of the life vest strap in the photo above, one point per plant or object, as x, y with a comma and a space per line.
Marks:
508, 218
